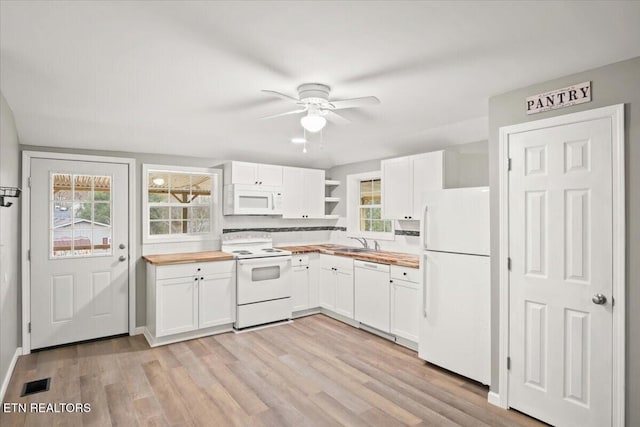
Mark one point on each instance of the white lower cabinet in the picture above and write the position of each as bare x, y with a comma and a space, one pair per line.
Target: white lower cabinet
304, 294
184, 298
215, 303
336, 284
405, 303
177, 306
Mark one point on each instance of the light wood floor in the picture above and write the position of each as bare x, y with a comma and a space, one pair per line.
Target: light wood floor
314, 371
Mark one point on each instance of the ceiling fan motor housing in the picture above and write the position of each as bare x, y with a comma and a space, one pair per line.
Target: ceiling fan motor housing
314, 93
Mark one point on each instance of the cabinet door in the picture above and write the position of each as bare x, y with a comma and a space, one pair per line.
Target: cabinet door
300, 291
327, 289
244, 173
314, 280
396, 188
177, 305
313, 193
427, 170
293, 192
372, 298
405, 309
217, 301
269, 175
344, 293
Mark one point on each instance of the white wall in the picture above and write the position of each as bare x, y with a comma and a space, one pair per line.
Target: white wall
10, 330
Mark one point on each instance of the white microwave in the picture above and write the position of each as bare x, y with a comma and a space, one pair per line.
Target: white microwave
240, 199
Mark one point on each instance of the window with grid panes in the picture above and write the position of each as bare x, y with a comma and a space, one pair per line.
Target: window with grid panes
370, 209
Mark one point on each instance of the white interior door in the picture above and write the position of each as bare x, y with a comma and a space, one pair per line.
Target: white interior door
79, 251
560, 245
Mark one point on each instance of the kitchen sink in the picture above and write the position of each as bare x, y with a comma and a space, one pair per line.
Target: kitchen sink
354, 250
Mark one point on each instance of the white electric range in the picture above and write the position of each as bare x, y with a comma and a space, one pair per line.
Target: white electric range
263, 285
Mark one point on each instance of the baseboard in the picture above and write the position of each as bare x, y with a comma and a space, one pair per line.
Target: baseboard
494, 399
139, 330
7, 377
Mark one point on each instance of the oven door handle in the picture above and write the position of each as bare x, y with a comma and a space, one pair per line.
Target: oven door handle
264, 261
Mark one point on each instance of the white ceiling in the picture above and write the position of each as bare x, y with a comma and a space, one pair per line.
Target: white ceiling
185, 77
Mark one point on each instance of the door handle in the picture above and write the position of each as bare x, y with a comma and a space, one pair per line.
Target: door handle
424, 285
122, 258
599, 299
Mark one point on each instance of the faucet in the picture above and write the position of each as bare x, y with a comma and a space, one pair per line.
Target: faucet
376, 245
362, 241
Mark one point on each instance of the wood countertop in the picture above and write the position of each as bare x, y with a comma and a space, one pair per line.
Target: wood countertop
187, 257
383, 257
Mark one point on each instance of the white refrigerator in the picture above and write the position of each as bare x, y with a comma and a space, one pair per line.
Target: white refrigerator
455, 327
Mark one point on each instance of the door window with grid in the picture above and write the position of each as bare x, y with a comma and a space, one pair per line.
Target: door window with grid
80, 215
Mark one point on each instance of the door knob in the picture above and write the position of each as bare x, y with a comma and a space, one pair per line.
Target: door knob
122, 258
122, 246
599, 299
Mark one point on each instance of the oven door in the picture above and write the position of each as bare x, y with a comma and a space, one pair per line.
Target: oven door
264, 279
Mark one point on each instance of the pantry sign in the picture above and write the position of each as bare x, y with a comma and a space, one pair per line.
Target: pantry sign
559, 98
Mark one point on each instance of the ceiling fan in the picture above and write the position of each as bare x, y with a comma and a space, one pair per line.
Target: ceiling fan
313, 99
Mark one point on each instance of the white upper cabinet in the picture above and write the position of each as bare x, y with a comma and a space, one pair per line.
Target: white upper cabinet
303, 193
404, 179
396, 188
427, 172
252, 174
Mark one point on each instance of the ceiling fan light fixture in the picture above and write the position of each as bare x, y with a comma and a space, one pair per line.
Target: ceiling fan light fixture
313, 122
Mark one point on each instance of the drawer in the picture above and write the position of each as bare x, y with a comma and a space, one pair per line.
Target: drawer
339, 262
297, 260
405, 273
194, 268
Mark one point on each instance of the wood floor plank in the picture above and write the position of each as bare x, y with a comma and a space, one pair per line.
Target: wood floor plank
315, 371
170, 400
244, 395
149, 412
121, 409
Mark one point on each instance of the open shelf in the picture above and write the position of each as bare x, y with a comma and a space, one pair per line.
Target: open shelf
331, 182
332, 199
331, 216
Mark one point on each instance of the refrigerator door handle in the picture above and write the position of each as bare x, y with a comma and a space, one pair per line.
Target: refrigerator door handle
423, 232
424, 285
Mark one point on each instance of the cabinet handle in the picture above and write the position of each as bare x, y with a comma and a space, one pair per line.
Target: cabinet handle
198, 269
404, 273
390, 281
307, 267
202, 278
195, 278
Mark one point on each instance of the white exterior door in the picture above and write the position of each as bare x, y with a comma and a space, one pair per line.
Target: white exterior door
560, 284
79, 251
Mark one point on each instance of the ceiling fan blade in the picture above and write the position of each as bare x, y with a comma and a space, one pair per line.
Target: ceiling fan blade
355, 102
336, 118
281, 95
302, 110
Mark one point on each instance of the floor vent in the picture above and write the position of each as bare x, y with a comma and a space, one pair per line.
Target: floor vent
36, 386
